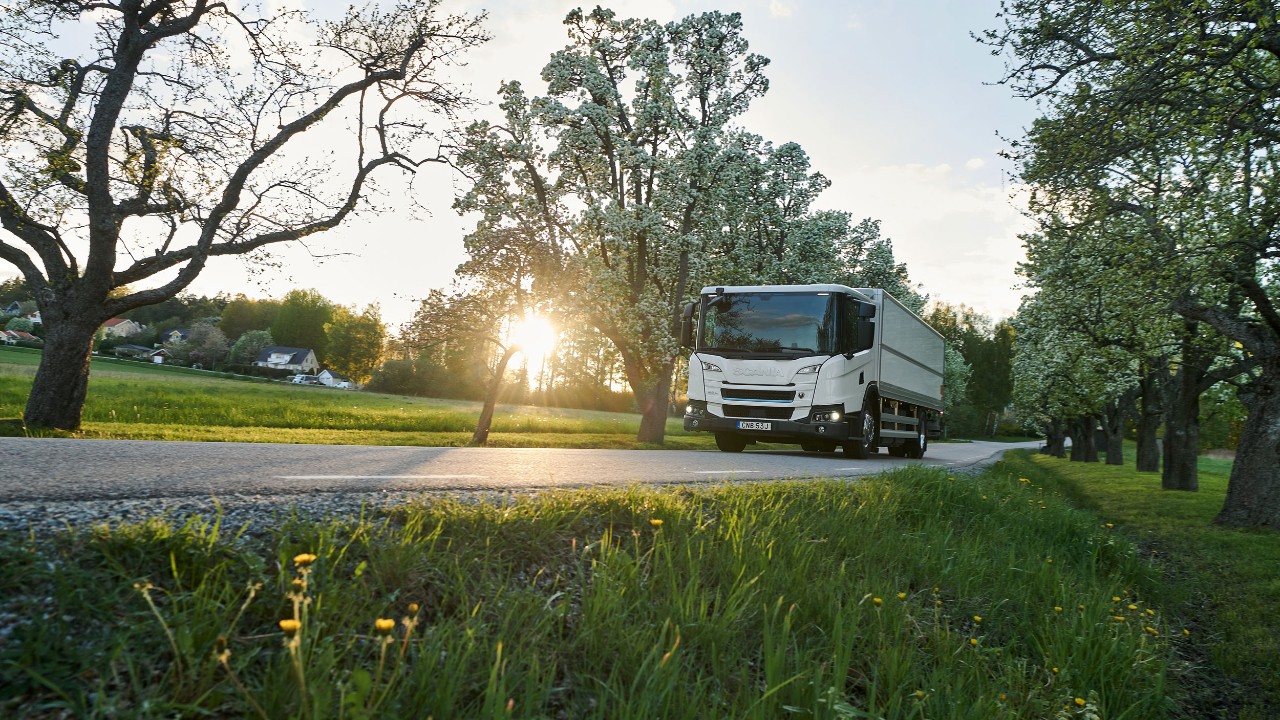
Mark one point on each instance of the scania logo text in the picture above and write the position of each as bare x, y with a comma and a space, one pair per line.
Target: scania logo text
758, 371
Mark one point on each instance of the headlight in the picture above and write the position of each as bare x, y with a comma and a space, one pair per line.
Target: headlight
827, 414
696, 409
809, 370
711, 366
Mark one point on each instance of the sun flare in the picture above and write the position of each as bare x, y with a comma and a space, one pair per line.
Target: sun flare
536, 337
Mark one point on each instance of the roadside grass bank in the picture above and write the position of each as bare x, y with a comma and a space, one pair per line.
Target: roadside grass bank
906, 595
1223, 581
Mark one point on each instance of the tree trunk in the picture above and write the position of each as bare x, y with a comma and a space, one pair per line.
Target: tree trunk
653, 407
1081, 431
62, 380
1253, 493
1182, 419
1114, 416
1150, 415
481, 435
1055, 440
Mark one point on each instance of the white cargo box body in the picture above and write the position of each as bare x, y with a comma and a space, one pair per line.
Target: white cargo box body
910, 354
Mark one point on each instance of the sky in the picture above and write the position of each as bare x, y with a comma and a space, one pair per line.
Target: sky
893, 101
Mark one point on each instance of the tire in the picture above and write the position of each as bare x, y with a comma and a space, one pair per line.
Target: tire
728, 442
862, 448
916, 450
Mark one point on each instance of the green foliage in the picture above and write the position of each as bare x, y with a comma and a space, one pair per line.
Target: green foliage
19, 323
300, 321
244, 314
906, 595
250, 344
355, 342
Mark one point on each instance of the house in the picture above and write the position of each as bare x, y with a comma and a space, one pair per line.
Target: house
174, 335
136, 352
287, 358
13, 337
159, 356
333, 379
121, 327
14, 308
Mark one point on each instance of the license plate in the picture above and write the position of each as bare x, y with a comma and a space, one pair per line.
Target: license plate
753, 425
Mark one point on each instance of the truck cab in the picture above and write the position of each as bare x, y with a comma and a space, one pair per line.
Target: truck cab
823, 366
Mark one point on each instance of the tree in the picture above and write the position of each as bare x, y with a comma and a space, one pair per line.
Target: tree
619, 184
14, 289
162, 148
20, 324
356, 342
1167, 113
206, 346
244, 314
301, 319
249, 345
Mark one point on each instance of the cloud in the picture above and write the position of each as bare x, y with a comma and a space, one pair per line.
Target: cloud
975, 163
779, 9
958, 239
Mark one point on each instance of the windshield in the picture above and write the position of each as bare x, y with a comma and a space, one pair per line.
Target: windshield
768, 322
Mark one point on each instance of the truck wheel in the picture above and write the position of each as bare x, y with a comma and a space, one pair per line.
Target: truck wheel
915, 451
728, 442
862, 448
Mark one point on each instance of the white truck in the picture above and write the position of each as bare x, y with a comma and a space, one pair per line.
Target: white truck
824, 366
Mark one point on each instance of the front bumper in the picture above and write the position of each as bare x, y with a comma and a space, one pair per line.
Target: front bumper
781, 430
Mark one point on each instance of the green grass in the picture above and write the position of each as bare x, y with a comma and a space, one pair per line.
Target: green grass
1222, 581
909, 595
138, 401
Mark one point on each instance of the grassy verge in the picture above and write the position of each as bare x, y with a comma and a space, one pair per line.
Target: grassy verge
1222, 581
914, 594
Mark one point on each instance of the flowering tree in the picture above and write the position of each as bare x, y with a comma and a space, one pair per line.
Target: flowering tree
171, 140
1168, 113
628, 186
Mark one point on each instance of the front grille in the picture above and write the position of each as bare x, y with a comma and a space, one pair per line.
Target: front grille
766, 413
767, 395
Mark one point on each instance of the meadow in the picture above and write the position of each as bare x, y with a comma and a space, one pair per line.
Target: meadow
140, 401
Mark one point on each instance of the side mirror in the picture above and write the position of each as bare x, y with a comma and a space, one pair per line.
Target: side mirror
866, 332
686, 326
866, 310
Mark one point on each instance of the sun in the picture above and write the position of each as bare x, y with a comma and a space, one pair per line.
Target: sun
536, 337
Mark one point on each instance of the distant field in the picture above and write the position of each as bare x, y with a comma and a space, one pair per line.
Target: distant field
141, 401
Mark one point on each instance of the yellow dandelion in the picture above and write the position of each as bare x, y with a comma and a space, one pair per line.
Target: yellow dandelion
973, 642
1079, 702
1050, 561
303, 559
384, 626
656, 522
877, 601
1055, 670
902, 596
1151, 630
1150, 611
1115, 599
1110, 525
1003, 697
937, 603
1057, 608
1118, 618
413, 608
290, 627
1080, 607
1186, 631
296, 584
977, 618
920, 694
1133, 607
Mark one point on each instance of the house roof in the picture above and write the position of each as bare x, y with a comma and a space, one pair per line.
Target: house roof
296, 355
135, 348
335, 376
115, 321
183, 333
20, 334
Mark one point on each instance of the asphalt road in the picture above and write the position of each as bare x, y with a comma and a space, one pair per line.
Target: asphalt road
52, 469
